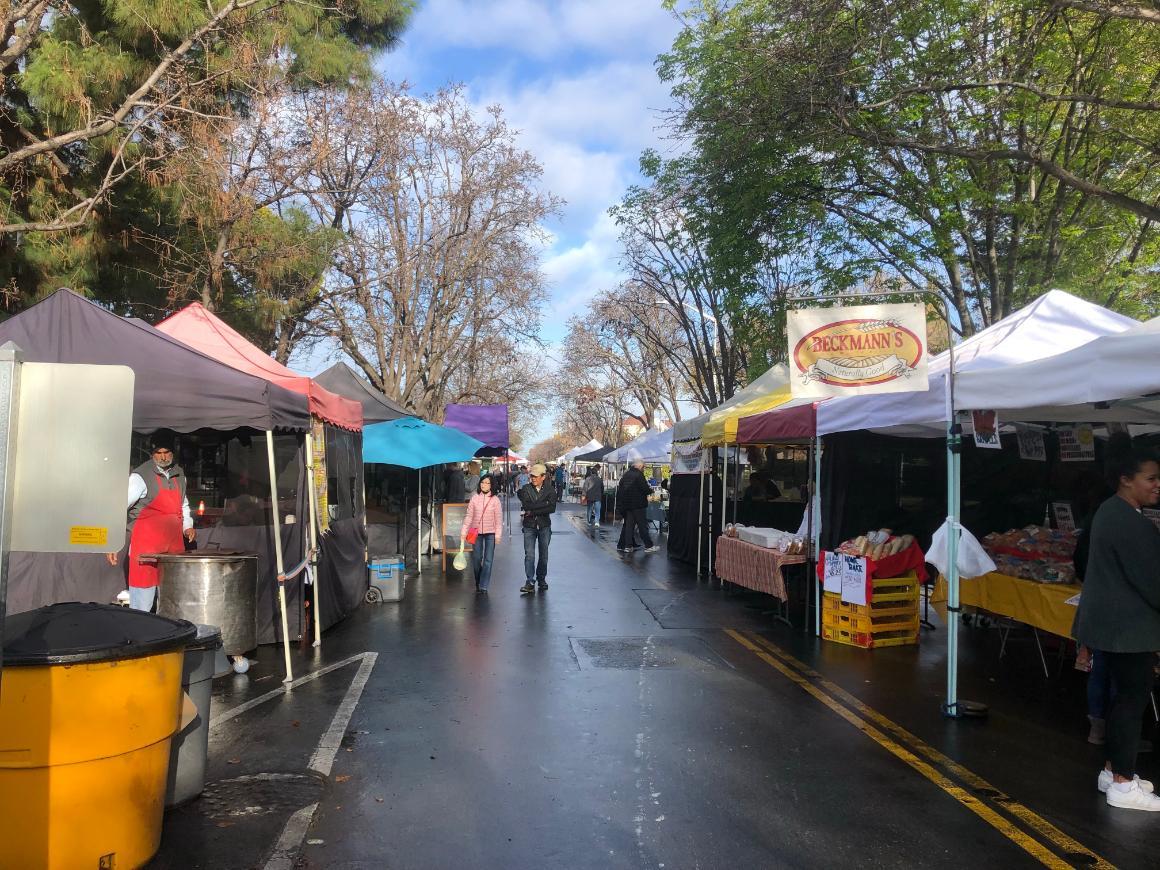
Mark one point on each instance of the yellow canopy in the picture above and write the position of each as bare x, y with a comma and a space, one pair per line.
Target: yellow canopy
766, 392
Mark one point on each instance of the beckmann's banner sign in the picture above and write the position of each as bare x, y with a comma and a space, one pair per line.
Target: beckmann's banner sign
857, 350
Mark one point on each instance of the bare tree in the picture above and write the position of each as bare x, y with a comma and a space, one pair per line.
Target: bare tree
436, 287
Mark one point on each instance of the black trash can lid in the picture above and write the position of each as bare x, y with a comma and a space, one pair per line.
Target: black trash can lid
62, 634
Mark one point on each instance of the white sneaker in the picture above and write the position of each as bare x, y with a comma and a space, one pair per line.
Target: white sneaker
653, 549
1104, 782
1133, 798
241, 665
598, 525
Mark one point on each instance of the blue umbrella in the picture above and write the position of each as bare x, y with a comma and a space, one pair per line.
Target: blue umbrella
415, 443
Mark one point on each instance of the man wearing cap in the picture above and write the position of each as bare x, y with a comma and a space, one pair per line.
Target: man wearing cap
538, 501
159, 519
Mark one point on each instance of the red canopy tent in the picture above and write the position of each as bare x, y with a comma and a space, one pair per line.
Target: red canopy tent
796, 420
200, 329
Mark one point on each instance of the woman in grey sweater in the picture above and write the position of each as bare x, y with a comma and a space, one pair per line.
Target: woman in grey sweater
1119, 613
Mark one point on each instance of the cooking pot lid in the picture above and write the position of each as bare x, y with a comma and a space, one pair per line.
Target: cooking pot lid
200, 556
88, 632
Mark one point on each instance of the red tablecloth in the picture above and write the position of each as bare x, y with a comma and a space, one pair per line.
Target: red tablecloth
754, 567
910, 559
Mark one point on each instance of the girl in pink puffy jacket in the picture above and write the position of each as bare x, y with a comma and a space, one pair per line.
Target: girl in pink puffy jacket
485, 515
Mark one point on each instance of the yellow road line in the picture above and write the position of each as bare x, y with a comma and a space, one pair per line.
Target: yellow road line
1037, 823
1005, 827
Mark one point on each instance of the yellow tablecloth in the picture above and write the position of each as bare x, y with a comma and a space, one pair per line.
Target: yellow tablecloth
1039, 604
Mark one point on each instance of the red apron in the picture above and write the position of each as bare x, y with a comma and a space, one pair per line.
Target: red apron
157, 530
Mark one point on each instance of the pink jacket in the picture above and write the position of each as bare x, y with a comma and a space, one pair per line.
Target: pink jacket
483, 512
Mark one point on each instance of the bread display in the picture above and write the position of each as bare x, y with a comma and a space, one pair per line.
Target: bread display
877, 544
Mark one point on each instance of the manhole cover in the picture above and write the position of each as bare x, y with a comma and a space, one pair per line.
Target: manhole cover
632, 653
259, 794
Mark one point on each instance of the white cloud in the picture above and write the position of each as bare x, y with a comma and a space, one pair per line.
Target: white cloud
547, 28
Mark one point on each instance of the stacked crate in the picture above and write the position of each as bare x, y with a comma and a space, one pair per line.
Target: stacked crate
890, 619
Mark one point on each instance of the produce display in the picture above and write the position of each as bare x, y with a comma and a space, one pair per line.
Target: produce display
1033, 553
876, 544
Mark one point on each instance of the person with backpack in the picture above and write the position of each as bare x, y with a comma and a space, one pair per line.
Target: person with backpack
632, 495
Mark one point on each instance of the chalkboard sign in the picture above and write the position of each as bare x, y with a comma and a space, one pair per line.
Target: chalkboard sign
453, 515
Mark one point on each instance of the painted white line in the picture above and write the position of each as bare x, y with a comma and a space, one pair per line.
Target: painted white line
289, 845
323, 759
233, 712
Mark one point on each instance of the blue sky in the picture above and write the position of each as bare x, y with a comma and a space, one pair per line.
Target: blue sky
577, 80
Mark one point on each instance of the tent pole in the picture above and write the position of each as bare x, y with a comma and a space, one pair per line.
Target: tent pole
712, 473
701, 515
419, 526
816, 533
313, 541
725, 491
736, 479
278, 556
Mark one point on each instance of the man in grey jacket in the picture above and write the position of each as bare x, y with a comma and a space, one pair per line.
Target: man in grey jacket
593, 495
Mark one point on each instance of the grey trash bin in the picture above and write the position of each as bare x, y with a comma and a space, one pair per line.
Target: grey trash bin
204, 660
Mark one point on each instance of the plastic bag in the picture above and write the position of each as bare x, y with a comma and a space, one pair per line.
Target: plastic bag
459, 563
972, 558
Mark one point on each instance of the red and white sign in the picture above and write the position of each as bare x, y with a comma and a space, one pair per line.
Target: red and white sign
857, 350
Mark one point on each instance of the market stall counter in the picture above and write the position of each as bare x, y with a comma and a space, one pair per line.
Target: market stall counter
753, 566
1046, 606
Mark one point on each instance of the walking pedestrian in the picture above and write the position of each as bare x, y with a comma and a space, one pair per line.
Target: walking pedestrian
454, 490
485, 517
593, 494
632, 494
1119, 613
538, 502
523, 478
471, 483
561, 482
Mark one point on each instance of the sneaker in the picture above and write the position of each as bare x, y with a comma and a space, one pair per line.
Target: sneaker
1133, 798
1104, 782
653, 549
597, 525
527, 589
543, 586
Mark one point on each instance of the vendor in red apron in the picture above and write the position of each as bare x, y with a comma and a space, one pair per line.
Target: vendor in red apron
159, 519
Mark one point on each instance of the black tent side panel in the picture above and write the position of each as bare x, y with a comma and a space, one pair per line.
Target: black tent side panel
684, 495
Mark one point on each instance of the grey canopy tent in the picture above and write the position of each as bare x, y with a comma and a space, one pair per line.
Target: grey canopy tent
377, 408
175, 388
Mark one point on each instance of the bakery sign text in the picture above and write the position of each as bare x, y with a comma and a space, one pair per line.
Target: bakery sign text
857, 349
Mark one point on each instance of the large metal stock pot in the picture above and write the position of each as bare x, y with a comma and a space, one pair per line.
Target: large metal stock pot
212, 588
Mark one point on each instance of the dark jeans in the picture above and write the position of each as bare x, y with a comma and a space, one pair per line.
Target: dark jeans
1132, 678
1099, 687
481, 555
633, 520
536, 571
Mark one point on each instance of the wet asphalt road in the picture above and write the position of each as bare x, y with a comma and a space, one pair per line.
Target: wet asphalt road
614, 722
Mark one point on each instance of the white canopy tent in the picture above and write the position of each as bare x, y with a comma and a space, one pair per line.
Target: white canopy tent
1113, 378
1054, 323
577, 451
653, 447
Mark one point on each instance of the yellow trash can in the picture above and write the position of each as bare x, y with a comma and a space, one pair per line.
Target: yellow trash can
90, 700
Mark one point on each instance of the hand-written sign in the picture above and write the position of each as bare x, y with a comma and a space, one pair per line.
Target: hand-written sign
1031, 445
845, 575
1077, 444
857, 349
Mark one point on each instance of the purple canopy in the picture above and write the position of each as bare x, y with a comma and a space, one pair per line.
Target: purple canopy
486, 423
